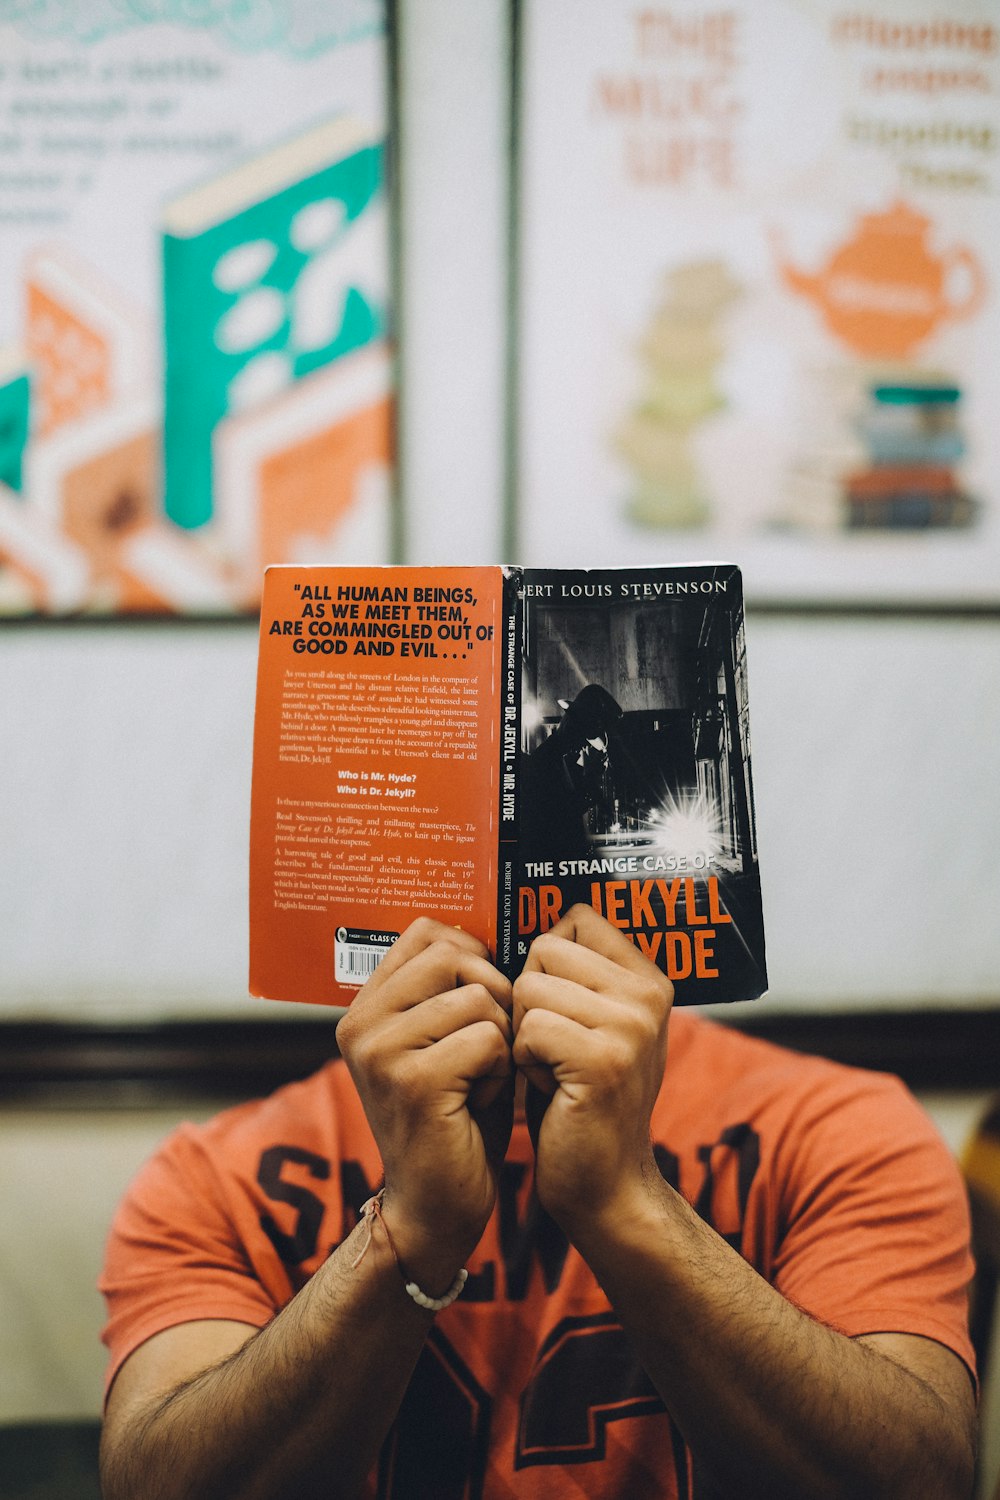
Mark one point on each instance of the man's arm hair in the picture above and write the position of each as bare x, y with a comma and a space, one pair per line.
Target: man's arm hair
772, 1403
294, 1410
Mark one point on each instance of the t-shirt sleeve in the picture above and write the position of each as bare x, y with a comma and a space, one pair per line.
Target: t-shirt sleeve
173, 1255
873, 1232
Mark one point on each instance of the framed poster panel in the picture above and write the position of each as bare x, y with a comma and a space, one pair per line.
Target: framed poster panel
194, 377
758, 309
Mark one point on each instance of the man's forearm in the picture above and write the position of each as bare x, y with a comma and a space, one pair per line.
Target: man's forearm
299, 1410
770, 1402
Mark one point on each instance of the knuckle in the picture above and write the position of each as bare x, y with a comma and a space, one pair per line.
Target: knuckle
442, 950
425, 930
348, 1039
652, 993
363, 1049
648, 1022
362, 1059
500, 1033
521, 1048
497, 1048
527, 1029
479, 999
544, 944
527, 986
658, 988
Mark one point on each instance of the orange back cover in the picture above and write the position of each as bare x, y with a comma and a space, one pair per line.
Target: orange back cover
375, 764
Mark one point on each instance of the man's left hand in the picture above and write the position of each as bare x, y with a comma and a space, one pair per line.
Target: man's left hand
590, 1034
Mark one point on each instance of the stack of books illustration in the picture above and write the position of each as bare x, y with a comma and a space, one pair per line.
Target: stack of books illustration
885, 290
913, 435
86, 430
680, 355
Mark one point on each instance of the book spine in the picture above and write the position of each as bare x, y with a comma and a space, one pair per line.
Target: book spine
508, 818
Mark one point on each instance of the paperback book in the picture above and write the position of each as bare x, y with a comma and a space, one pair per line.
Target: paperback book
490, 746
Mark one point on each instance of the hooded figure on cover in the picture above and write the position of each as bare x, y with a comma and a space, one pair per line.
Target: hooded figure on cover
567, 777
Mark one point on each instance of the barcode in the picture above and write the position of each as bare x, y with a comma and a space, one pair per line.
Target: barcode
355, 961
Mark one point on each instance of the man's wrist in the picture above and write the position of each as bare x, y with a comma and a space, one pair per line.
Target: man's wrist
428, 1255
634, 1209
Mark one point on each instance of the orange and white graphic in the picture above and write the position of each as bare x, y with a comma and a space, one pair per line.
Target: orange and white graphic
133, 141
887, 288
41, 571
160, 570
96, 482
96, 479
84, 341
306, 478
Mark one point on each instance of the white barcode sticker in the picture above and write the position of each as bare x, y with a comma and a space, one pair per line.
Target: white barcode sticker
357, 953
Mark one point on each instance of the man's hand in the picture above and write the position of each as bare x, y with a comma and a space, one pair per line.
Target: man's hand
590, 1032
427, 1042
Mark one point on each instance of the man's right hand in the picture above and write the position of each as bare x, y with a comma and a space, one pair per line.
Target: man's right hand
428, 1044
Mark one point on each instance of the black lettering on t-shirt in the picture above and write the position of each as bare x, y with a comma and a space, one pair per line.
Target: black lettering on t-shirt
587, 1374
355, 1190
437, 1447
298, 1245
668, 1164
521, 1239
731, 1163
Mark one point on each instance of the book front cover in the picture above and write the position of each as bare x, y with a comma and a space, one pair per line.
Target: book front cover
634, 781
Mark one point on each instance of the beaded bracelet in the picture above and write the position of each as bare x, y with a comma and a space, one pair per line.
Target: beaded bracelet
435, 1304
371, 1211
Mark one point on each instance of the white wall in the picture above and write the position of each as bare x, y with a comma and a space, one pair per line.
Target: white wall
453, 159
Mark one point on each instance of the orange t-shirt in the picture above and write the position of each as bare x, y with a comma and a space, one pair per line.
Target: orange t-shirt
830, 1181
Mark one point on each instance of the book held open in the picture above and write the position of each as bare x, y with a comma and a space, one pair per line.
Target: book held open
490, 746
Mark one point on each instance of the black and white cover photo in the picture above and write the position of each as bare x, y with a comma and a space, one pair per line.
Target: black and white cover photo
634, 777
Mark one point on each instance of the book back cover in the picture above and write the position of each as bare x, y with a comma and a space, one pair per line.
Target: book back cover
375, 770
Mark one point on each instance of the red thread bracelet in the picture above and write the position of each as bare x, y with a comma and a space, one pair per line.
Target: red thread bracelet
371, 1211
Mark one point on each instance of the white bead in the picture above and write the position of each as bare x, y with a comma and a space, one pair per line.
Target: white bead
436, 1304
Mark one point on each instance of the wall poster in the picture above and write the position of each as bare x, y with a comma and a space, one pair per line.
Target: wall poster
194, 374
759, 313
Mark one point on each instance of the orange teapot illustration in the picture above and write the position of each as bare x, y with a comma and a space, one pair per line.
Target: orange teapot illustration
885, 291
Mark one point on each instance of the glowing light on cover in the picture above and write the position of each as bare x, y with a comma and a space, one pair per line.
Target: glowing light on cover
689, 825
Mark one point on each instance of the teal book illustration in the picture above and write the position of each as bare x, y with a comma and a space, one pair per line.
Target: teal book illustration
270, 272
15, 411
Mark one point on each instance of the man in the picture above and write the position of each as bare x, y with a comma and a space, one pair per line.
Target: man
609, 1340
